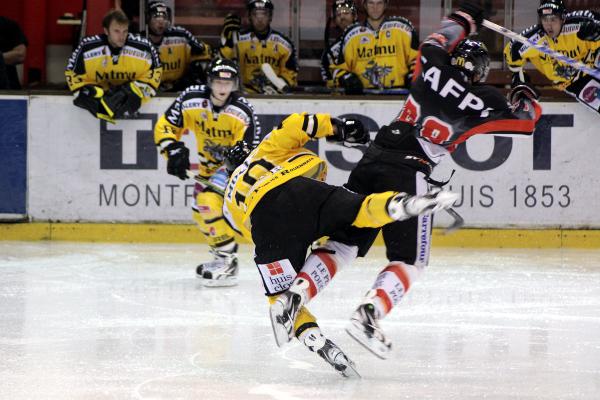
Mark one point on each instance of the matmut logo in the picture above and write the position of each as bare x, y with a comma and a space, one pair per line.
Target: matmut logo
275, 268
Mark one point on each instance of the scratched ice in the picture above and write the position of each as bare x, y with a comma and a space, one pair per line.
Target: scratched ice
99, 321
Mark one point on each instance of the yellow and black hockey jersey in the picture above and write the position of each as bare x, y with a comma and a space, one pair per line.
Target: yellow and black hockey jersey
252, 51
94, 62
567, 43
330, 57
215, 128
277, 159
177, 49
381, 58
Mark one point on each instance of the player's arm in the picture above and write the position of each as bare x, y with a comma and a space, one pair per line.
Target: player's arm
289, 67
517, 54
149, 82
76, 73
341, 70
167, 135
465, 21
252, 132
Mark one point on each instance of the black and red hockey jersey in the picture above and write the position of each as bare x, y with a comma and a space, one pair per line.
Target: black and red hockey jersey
444, 108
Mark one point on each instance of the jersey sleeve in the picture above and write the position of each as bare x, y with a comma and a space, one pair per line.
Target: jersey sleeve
253, 132
150, 79
288, 70
517, 54
170, 124
296, 130
198, 49
76, 73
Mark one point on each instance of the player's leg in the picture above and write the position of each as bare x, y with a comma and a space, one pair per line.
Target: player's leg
407, 247
208, 215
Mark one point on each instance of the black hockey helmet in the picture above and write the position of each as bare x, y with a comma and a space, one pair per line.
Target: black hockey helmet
260, 5
222, 68
473, 58
158, 9
552, 7
343, 4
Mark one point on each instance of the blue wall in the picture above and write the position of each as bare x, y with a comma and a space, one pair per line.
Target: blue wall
13, 156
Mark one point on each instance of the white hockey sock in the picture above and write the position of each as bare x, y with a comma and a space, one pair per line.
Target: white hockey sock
312, 338
392, 283
318, 270
322, 264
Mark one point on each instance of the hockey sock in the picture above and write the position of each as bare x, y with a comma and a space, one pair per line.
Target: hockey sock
321, 266
392, 283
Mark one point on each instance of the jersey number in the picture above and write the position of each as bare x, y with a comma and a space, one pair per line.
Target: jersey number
261, 167
435, 130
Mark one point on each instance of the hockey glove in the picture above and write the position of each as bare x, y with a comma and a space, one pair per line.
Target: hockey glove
470, 15
178, 161
90, 98
128, 99
589, 31
350, 131
231, 27
351, 83
236, 155
521, 88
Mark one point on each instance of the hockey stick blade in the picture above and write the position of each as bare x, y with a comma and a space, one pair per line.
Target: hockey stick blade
456, 224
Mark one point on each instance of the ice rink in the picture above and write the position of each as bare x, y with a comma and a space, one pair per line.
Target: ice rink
100, 321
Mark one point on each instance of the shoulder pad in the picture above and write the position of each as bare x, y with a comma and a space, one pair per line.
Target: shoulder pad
201, 91
580, 15
139, 41
281, 36
92, 39
239, 100
532, 31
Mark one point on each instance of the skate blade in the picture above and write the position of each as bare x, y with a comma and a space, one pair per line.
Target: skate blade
279, 330
228, 282
350, 371
373, 345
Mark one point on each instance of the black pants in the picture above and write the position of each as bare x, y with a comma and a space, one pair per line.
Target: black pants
289, 218
379, 171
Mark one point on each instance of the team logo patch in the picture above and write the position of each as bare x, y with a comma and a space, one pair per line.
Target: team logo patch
364, 40
205, 104
275, 268
203, 209
388, 34
590, 94
277, 276
212, 231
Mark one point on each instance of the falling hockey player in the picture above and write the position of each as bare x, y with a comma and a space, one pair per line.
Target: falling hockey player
446, 106
278, 199
219, 117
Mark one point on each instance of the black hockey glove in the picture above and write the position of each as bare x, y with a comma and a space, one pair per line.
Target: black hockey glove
231, 26
236, 155
349, 131
351, 83
474, 9
589, 31
520, 90
178, 161
88, 98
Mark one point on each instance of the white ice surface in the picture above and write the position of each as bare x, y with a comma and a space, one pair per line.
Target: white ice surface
98, 321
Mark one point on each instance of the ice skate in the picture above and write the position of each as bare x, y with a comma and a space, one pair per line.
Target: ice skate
364, 328
220, 272
284, 310
331, 353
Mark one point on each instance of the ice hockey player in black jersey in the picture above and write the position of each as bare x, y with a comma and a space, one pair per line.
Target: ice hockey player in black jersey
575, 34
447, 105
182, 56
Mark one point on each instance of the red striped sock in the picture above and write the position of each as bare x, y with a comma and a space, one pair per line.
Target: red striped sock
392, 283
318, 270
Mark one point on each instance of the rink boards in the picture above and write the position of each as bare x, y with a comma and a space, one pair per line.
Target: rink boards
83, 169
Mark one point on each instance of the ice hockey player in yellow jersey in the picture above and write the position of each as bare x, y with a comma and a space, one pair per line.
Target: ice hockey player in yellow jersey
183, 57
343, 14
576, 35
112, 74
218, 117
277, 198
379, 54
260, 47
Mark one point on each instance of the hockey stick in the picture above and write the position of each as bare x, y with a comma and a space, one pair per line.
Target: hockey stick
206, 182
543, 49
456, 224
83, 26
